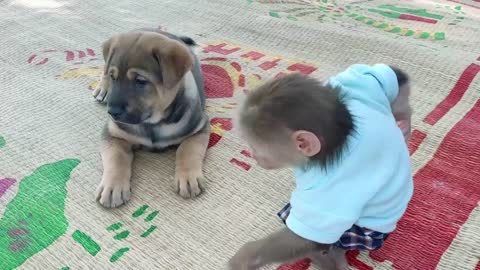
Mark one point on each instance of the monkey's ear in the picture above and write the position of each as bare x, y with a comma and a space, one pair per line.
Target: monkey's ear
307, 142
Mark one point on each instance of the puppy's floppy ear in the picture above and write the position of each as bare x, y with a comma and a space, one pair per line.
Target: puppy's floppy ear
175, 60
106, 48
107, 51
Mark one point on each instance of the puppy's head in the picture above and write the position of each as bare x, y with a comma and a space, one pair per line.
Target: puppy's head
145, 70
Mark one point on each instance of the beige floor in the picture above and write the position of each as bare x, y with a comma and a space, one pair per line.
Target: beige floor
50, 56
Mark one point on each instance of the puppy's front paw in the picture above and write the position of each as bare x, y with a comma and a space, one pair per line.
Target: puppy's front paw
113, 192
101, 91
189, 183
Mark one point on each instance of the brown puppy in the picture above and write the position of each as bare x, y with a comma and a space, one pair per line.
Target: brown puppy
154, 90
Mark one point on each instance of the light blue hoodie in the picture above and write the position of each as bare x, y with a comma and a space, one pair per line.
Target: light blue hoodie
372, 184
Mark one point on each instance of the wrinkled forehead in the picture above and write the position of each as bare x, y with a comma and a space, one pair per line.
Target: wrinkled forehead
132, 64
135, 55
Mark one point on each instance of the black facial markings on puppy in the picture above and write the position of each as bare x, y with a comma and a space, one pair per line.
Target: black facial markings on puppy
155, 114
181, 107
189, 41
175, 113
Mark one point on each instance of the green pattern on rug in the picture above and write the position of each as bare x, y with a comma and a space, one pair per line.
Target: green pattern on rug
35, 218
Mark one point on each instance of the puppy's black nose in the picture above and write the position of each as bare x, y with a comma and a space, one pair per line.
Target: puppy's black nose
116, 111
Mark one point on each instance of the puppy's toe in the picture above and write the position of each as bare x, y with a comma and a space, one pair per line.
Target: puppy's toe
195, 186
105, 197
189, 183
101, 91
113, 195
126, 195
116, 198
101, 95
96, 91
183, 188
98, 192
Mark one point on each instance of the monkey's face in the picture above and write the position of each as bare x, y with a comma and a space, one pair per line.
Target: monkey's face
287, 149
266, 157
275, 155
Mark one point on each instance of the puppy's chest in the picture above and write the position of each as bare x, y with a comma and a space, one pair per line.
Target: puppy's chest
157, 137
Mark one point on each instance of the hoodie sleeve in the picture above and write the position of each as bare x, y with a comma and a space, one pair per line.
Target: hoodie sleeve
376, 86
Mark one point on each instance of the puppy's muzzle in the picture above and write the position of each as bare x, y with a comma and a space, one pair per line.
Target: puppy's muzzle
117, 111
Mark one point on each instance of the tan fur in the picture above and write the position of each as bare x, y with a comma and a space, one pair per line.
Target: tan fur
189, 164
113, 71
166, 97
101, 90
174, 58
175, 61
117, 157
131, 73
116, 132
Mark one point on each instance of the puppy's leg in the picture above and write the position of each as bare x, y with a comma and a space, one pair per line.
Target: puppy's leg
117, 157
189, 164
103, 88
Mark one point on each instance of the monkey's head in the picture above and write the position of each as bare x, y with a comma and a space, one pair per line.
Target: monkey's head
294, 120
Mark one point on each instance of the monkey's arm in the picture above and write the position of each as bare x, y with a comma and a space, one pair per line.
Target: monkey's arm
281, 246
401, 105
371, 84
402, 111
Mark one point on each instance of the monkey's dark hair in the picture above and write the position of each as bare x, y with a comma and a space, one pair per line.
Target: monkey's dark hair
402, 77
297, 102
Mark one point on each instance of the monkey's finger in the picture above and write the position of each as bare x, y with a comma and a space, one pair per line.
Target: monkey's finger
404, 126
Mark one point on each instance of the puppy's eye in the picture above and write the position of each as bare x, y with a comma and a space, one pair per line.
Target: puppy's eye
112, 77
140, 80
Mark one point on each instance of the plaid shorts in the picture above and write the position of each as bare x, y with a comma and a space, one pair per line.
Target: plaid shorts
355, 238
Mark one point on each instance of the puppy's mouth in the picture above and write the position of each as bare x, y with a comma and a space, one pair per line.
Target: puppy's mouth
146, 116
132, 119
153, 117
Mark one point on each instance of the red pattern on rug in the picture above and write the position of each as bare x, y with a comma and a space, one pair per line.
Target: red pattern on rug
446, 191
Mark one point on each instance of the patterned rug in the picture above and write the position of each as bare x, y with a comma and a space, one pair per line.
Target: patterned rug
50, 59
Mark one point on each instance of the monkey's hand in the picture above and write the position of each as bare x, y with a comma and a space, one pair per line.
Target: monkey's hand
278, 247
401, 105
403, 114
406, 127
246, 258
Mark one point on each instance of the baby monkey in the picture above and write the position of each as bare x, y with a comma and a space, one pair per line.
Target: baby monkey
345, 139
